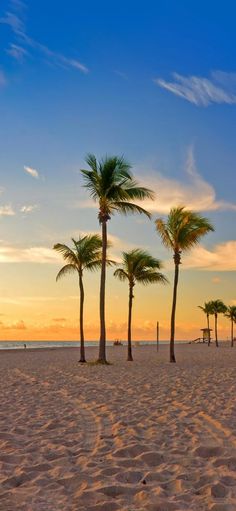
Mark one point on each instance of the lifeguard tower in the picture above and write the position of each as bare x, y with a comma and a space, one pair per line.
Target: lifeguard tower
205, 338
206, 335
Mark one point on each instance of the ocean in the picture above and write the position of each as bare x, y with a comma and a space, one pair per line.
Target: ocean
13, 345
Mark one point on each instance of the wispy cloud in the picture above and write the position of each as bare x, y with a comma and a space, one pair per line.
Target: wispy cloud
9, 254
7, 210
29, 208
201, 91
17, 52
17, 325
33, 172
194, 193
222, 257
23, 43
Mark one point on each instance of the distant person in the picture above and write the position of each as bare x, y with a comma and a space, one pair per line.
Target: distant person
25, 346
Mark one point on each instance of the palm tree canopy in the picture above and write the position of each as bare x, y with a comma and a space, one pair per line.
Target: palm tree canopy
217, 307
206, 308
86, 254
183, 229
111, 183
139, 266
231, 313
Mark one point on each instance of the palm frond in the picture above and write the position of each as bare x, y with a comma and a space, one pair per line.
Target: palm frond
92, 162
111, 182
138, 265
67, 253
151, 277
206, 308
217, 307
164, 233
183, 229
231, 313
121, 274
66, 270
129, 207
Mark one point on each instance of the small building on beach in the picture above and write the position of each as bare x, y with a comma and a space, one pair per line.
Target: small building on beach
206, 334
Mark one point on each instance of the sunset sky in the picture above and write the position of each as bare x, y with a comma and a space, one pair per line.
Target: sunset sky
155, 81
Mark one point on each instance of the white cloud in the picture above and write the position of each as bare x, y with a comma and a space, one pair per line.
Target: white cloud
29, 208
6, 210
221, 258
32, 172
220, 88
195, 193
14, 19
42, 255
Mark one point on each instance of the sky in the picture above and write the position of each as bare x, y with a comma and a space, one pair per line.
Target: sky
154, 81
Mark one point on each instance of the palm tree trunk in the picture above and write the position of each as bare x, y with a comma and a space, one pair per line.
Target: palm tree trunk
216, 333
209, 333
172, 333
82, 349
232, 333
102, 343
130, 357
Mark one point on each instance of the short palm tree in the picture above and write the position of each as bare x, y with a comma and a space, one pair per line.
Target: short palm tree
207, 309
217, 307
180, 232
112, 185
231, 314
86, 254
138, 266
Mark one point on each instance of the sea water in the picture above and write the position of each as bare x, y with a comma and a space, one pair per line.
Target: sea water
13, 345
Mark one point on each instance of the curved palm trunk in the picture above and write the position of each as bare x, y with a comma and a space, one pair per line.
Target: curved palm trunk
209, 333
232, 333
102, 342
130, 357
81, 319
172, 333
216, 332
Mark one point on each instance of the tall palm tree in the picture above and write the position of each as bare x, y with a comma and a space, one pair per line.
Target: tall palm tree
86, 254
217, 307
207, 309
111, 184
138, 266
231, 314
180, 232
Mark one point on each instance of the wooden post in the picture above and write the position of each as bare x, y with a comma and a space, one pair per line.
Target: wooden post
157, 335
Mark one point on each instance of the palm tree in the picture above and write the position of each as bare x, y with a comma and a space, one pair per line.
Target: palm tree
217, 307
138, 266
86, 254
231, 314
207, 309
180, 232
112, 185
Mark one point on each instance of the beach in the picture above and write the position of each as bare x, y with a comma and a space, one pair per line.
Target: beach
131, 436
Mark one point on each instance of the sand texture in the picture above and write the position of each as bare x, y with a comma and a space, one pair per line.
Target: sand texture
138, 436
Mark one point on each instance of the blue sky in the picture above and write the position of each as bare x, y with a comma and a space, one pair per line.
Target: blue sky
155, 81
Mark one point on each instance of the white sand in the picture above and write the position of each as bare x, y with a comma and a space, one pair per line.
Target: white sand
146, 435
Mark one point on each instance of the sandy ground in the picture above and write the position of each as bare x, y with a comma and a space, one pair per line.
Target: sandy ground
146, 435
